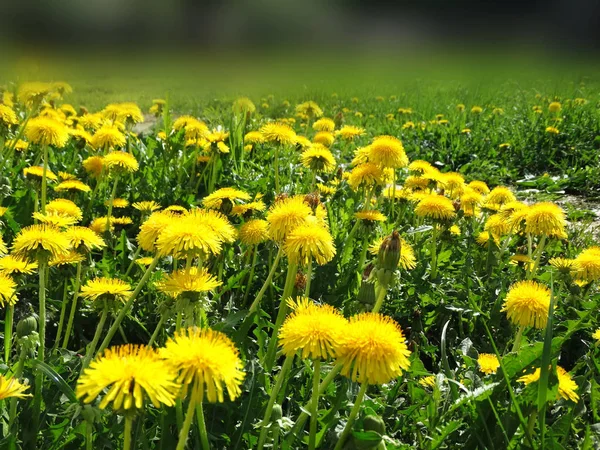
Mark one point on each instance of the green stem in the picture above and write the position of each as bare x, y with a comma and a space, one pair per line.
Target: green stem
63, 313
380, 298
538, 256
37, 401
312, 437
308, 278
517, 343
287, 291
90, 350
12, 414
73, 306
267, 282
434, 252
127, 432
189, 416
125, 310
89, 439
287, 364
352, 417
44, 178
276, 169
110, 208
161, 322
251, 277
135, 256
8, 326
202, 426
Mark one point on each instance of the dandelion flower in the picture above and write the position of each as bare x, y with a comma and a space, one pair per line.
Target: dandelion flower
7, 116
248, 209
69, 258
563, 265
587, 264
254, 232
547, 219
307, 242
82, 238
350, 132
596, 335
7, 290
373, 349
310, 109
566, 386
419, 167
278, 133
40, 238
46, 131
191, 281
13, 264
118, 203
64, 207
318, 158
152, 227
121, 161
11, 387
428, 381
228, 195
370, 216
93, 165
286, 215
208, 360
527, 304
498, 197
435, 207
552, 130
243, 105
324, 124
387, 151
314, 329
106, 289
72, 185
56, 219
147, 206
131, 374
488, 363
37, 172
363, 175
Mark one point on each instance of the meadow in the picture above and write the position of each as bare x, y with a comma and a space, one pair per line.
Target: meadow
343, 264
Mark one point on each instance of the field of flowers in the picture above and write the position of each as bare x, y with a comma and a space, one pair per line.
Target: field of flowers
310, 271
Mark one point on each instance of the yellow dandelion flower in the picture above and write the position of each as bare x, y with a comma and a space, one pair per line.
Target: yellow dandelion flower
208, 360
278, 133
419, 167
476, 110
248, 208
243, 105
527, 304
370, 216
72, 185
563, 265
435, 207
7, 116
56, 219
587, 264
46, 131
108, 136
37, 172
226, 195
387, 151
325, 138
547, 219
498, 197
131, 374
7, 290
12, 388
552, 130
120, 161
566, 386
147, 206
324, 124
40, 238
315, 330
408, 260
318, 158
152, 227
254, 232
488, 363
429, 381
350, 132
118, 203
497, 226
145, 261
596, 335
364, 175
185, 282
84, 239
13, 264
307, 242
123, 112
286, 215
93, 165
106, 289
373, 349
71, 257
452, 182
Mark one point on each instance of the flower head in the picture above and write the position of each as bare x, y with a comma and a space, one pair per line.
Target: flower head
408, 260
285, 215
184, 281
387, 151
587, 264
40, 238
106, 289
307, 242
498, 197
7, 290
7, 115
314, 329
93, 165
254, 232
370, 216
435, 207
11, 387
64, 207
13, 264
527, 304
566, 386
46, 131
324, 124
226, 195
488, 363
71, 257
350, 132
366, 174
82, 238
121, 161
208, 360
37, 172
131, 373
72, 185
547, 219
278, 133
147, 206
318, 158
373, 349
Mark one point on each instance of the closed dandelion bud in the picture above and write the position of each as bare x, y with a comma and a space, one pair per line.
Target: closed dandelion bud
456, 205
389, 252
366, 293
312, 200
277, 413
83, 111
374, 423
300, 283
26, 326
339, 119
339, 173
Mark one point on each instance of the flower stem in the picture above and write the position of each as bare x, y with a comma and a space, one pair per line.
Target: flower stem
37, 401
135, 256
189, 416
89, 439
125, 309
267, 417
380, 298
517, 343
127, 432
434, 252
8, 326
276, 169
161, 322
312, 437
63, 313
90, 350
73, 306
267, 282
252, 267
202, 426
308, 278
44, 178
352, 417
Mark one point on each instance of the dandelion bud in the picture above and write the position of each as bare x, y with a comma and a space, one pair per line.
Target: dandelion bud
366, 293
26, 326
389, 252
312, 200
83, 111
456, 205
338, 119
374, 423
226, 206
277, 413
300, 283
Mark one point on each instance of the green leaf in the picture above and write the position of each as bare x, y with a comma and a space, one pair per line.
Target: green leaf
56, 379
